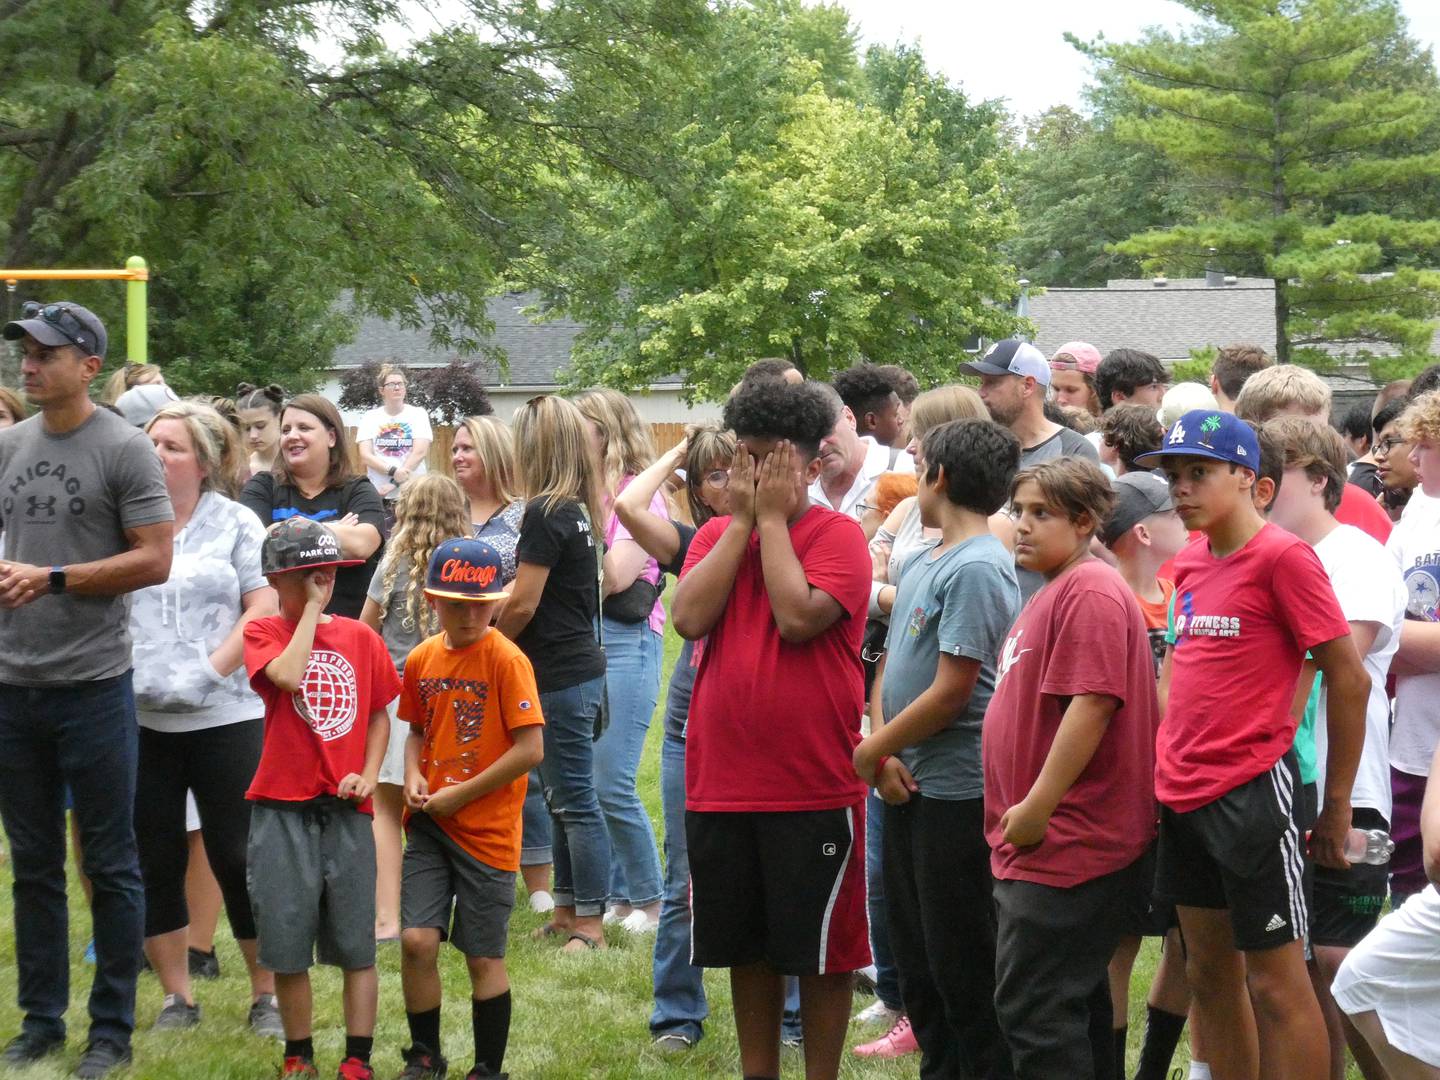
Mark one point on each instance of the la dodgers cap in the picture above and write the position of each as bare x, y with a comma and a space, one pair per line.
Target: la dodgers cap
1012, 357
1137, 496
465, 569
1208, 433
297, 543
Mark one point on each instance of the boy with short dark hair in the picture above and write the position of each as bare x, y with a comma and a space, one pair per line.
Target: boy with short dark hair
1068, 753
325, 681
954, 603
475, 733
775, 813
1250, 599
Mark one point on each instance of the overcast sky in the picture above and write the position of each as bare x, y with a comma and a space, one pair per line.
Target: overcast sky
1020, 53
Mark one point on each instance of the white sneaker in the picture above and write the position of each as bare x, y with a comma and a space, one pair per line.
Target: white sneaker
877, 1013
637, 922
542, 902
613, 917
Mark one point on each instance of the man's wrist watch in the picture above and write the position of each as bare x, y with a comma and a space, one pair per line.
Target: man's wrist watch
57, 579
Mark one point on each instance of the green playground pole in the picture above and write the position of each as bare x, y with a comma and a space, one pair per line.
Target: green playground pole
137, 340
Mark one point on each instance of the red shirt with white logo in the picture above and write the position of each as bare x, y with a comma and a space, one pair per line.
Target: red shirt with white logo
1242, 627
1080, 634
315, 737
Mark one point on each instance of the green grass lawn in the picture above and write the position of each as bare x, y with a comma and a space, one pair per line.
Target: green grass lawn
575, 1016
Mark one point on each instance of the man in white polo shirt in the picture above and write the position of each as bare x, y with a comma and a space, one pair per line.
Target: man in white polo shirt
849, 464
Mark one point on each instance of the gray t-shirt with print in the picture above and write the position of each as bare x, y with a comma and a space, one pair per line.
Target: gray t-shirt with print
960, 602
67, 499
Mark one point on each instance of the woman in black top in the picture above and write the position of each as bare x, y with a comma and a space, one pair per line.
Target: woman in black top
313, 478
551, 615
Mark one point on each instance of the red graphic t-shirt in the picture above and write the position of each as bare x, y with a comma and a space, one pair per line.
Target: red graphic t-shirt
1242, 627
773, 723
1080, 634
315, 737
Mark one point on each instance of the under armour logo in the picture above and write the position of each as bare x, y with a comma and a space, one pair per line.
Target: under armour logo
37, 504
1275, 923
828, 849
1177, 433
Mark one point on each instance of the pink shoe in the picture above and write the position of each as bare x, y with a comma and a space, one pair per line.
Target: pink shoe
895, 1043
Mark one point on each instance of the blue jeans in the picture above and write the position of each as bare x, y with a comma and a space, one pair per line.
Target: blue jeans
83, 737
581, 845
887, 976
680, 1007
535, 847
632, 679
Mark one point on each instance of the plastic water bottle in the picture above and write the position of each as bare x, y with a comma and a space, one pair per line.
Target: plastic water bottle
1369, 846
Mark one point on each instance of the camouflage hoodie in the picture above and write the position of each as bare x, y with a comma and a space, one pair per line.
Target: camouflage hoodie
178, 625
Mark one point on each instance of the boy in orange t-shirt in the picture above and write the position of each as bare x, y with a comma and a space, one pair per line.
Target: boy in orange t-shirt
475, 734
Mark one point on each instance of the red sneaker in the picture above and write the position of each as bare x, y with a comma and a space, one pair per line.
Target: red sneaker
352, 1068
298, 1066
895, 1043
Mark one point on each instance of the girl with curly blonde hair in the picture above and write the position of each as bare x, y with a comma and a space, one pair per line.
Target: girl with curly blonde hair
431, 509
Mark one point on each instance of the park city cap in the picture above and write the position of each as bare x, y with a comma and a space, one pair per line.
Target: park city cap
297, 543
464, 569
1137, 496
1208, 433
1012, 357
61, 323
1078, 356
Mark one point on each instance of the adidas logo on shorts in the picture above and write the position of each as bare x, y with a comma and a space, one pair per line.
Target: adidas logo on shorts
1275, 923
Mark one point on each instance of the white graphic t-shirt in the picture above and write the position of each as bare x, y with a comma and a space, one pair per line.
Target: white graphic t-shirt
1415, 544
392, 437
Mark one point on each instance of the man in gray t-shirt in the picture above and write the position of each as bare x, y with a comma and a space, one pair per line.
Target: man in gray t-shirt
87, 520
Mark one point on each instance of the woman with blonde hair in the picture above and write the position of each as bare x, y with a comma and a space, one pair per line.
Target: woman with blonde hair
393, 437
201, 725
12, 408
313, 478
430, 511
551, 615
633, 620
128, 376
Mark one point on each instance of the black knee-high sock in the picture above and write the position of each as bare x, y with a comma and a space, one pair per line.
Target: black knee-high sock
359, 1046
1121, 1035
425, 1030
491, 1021
1162, 1034
304, 1048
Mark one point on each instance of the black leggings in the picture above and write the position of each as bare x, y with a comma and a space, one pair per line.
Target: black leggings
217, 764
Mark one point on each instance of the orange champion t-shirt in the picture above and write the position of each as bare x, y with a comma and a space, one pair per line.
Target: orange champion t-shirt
466, 702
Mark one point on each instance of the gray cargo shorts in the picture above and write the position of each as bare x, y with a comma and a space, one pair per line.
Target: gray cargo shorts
438, 875
310, 868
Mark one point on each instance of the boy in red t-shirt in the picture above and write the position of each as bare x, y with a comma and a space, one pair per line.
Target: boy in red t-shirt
325, 681
475, 734
1249, 602
1068, 752
775, 812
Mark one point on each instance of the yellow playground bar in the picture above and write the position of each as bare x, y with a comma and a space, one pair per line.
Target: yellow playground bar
135, 274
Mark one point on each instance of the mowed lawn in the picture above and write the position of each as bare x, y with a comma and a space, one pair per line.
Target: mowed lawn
575, 1016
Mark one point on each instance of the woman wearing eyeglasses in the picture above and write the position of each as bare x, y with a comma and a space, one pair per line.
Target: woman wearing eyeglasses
393, 438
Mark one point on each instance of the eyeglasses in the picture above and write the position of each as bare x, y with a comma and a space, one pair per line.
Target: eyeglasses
717, 478
865, 508
394, 384
56, 315
1384, 446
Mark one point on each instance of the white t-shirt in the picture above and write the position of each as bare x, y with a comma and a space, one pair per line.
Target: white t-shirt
877, 461
1369, 589
393, 437
1415, 544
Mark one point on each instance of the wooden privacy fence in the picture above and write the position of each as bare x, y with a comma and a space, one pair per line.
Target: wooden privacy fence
438, 459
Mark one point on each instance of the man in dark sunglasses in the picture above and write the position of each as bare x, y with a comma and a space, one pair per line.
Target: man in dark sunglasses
86, 520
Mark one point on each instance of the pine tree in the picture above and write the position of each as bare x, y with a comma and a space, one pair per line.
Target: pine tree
1313, 124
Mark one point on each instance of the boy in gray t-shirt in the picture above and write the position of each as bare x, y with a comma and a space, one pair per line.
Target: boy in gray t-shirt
953, 606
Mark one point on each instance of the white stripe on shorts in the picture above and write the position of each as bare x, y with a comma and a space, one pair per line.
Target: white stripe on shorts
835, 892
1292, 857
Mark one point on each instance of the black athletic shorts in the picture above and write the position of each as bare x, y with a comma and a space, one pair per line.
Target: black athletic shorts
1246, 852
785, 888
1145, 914
1348, 902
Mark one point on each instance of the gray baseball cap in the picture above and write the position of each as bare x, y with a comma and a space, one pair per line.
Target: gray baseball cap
1137, 496
61, 323
1012, 357
139, 404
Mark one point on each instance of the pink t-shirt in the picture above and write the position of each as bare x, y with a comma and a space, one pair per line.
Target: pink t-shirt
1080, 634
1242, 627
651, 570
773, 723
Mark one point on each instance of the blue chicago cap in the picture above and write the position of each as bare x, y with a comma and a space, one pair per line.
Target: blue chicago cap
465, 569
1209, 433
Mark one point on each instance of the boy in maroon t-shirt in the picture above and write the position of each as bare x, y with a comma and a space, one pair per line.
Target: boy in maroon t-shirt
325, 681
1250, 600
1068, 752
774, 811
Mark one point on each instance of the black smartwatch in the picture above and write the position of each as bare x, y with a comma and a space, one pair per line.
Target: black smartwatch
392, 471
57, 579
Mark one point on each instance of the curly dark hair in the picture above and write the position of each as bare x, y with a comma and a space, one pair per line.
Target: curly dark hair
979, 458
1131, 430
864, 388
905, 384
769, 409
1125, 370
